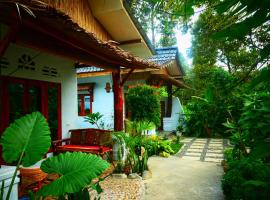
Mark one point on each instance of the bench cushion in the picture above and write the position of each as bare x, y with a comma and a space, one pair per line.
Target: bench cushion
84, 148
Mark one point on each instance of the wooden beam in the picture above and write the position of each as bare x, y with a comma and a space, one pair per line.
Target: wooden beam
91, 74
8, 38
125, 78
73, 42
118, 101
136, 41
36, 40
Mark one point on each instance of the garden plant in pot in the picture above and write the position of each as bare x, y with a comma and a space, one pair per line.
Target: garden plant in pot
27, 140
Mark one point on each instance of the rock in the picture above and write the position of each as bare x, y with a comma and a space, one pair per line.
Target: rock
119, 176
146, 175
134, 176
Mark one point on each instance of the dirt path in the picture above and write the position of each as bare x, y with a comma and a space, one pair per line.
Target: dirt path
192, 174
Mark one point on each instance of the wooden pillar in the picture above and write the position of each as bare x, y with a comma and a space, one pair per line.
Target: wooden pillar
169, 102
118, 100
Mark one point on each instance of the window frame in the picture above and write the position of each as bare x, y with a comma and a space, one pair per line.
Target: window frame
88, 87
27, 83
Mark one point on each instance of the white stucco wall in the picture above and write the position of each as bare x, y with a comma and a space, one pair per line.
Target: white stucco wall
103, 101
171, 123
66, 76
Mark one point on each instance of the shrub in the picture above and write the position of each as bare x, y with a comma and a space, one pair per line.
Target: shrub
144, 104
247, 179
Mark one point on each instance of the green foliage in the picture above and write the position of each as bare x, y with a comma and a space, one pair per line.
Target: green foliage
249, 169
151, 15
247, 179
25, 141
213, 104
76, 170
95, 119
28, 136
144, 104
135, 128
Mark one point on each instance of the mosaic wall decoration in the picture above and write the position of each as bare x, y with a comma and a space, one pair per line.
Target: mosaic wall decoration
26, 62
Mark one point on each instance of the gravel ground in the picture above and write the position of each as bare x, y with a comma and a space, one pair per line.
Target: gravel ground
121, 189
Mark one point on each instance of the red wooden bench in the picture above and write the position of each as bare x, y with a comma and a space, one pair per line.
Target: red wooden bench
89, 140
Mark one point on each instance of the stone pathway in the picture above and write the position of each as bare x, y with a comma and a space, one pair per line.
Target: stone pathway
209, 150
192, 174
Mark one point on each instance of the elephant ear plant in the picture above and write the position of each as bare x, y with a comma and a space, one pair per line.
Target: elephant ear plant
25, 141
76, 171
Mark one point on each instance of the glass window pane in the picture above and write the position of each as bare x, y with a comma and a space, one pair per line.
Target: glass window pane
53, 112
16, 93
87, 105
34, 99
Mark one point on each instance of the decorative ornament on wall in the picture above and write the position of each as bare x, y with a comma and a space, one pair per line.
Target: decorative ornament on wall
26, 62
4, 63
108, 87
50, 71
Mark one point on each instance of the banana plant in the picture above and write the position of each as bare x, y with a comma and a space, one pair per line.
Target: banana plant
25, 141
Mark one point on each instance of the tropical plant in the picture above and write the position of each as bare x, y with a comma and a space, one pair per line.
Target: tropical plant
135, 128
144, 103
95, 119
76, 171
25, 141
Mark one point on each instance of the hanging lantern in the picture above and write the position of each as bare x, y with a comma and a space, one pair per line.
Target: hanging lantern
108, 87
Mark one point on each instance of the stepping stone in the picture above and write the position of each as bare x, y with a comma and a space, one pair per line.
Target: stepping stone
213, 160
197, 146
215, 147
194, 143
214, 155
201, 140
215, 151
191, 158
195, 150
216, 142
193, 154
201, 149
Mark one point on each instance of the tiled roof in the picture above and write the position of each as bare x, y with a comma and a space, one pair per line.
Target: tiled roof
164, 55
58, 20
89, 69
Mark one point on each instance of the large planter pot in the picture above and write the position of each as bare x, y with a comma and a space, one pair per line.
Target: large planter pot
6, 173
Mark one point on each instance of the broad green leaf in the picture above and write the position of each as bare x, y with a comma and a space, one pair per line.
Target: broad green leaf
76, 171
30, 135
239, 30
